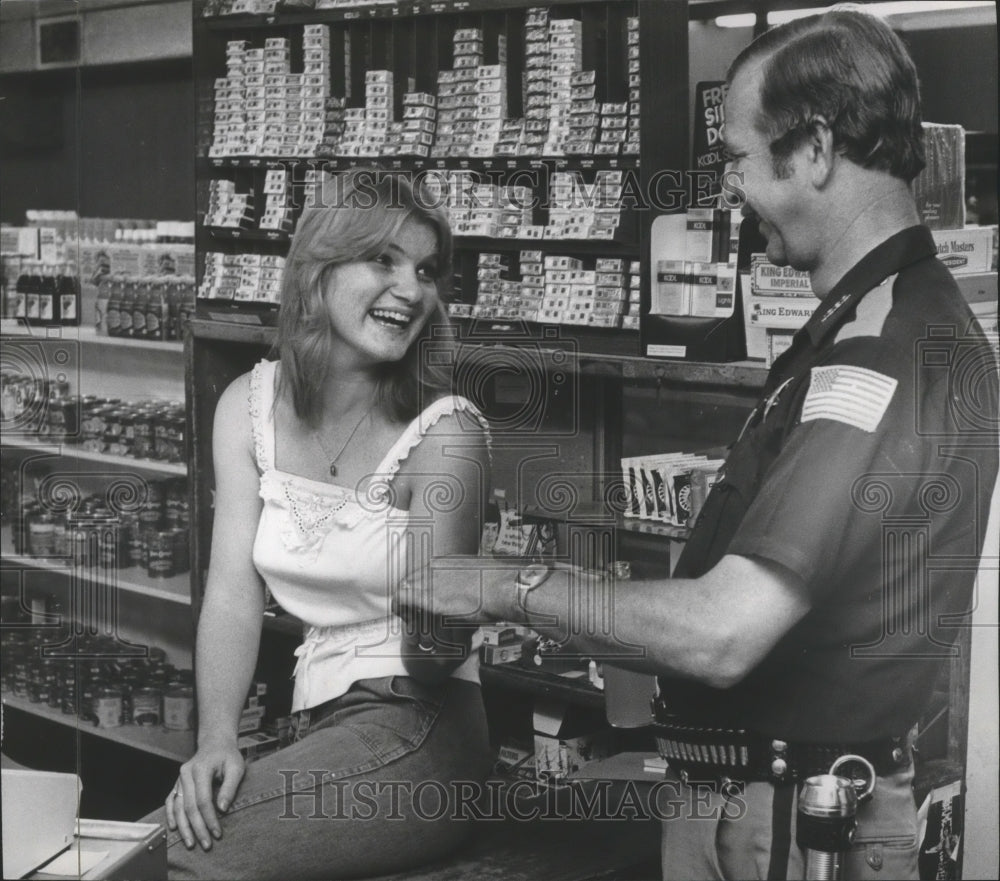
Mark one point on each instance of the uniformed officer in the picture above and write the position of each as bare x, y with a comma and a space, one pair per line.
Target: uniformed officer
806, 616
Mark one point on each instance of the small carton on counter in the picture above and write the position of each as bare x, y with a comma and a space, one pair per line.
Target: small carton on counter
564, 741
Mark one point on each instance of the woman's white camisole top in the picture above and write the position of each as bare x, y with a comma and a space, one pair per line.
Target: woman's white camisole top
330, 556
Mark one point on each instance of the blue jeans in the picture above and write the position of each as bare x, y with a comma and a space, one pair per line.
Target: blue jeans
367, 788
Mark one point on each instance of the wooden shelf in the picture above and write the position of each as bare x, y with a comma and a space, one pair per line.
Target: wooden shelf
250, 235
86, 335
736, 374
595, 514
178, 746
133, 580
69, 451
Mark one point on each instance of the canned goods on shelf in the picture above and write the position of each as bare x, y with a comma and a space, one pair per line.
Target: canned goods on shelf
107, 705
178, 708
86, 705
182, 549
64, 419
143, 429
61, 546
621, 570
146, 706
161, 555
41, 534
67, 702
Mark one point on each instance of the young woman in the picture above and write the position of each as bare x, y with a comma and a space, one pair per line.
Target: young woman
337, 468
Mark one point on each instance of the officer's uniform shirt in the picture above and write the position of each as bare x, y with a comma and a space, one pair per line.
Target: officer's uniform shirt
866, 470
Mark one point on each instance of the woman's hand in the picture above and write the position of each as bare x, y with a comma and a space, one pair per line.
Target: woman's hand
190, 806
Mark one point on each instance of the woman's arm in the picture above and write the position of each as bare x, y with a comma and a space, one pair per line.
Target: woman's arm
448, 475
228, 627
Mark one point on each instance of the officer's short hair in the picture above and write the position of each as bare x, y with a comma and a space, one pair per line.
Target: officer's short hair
850, 68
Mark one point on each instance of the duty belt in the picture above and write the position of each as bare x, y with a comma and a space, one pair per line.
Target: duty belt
725, 754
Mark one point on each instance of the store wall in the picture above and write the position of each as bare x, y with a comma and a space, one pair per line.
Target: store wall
957, 68
107, 142
958, 75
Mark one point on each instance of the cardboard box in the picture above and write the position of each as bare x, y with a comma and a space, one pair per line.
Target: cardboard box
971, 249
978, 287
501, 654
778, 281
788, 313
564, 741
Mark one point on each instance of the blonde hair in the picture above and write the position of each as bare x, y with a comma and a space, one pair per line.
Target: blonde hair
355, 216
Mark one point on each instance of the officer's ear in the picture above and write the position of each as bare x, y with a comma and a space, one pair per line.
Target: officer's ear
819, 151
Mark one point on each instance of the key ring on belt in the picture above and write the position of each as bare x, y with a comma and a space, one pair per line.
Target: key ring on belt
863, 788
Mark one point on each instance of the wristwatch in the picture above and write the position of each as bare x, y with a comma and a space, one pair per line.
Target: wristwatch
528, 579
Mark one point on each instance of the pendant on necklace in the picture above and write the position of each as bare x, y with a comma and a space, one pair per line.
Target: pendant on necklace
333, 470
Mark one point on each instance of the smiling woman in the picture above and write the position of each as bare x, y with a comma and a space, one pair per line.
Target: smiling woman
358, 220
325, 491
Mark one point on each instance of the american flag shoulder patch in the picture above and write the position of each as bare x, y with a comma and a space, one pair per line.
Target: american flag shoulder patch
853, 395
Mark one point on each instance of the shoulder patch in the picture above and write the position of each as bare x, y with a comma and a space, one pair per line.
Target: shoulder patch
871, 313
852, 395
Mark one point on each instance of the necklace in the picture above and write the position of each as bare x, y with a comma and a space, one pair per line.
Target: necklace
350, 437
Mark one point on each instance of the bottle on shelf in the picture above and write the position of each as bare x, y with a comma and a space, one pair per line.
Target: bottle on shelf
127, 305
68, 285
140, 306
48, 296
185, 305
113, 313
158, 311
17, 305
101, 305
32, 291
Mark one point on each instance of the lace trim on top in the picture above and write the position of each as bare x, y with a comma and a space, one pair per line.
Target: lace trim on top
257, 416
423, 423
315, 508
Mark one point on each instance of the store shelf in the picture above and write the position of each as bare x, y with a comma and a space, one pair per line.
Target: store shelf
569, 247
560, 354
69, 451
597, 514
232, 331
85, 335
178, 746
133, 580
607, 247
575, 690
416, 164
391, 10
248, 235
652, 527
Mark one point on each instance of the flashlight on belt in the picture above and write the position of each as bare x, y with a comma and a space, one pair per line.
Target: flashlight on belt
827, 817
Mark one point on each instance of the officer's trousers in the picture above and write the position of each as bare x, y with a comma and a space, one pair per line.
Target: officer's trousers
751, 834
